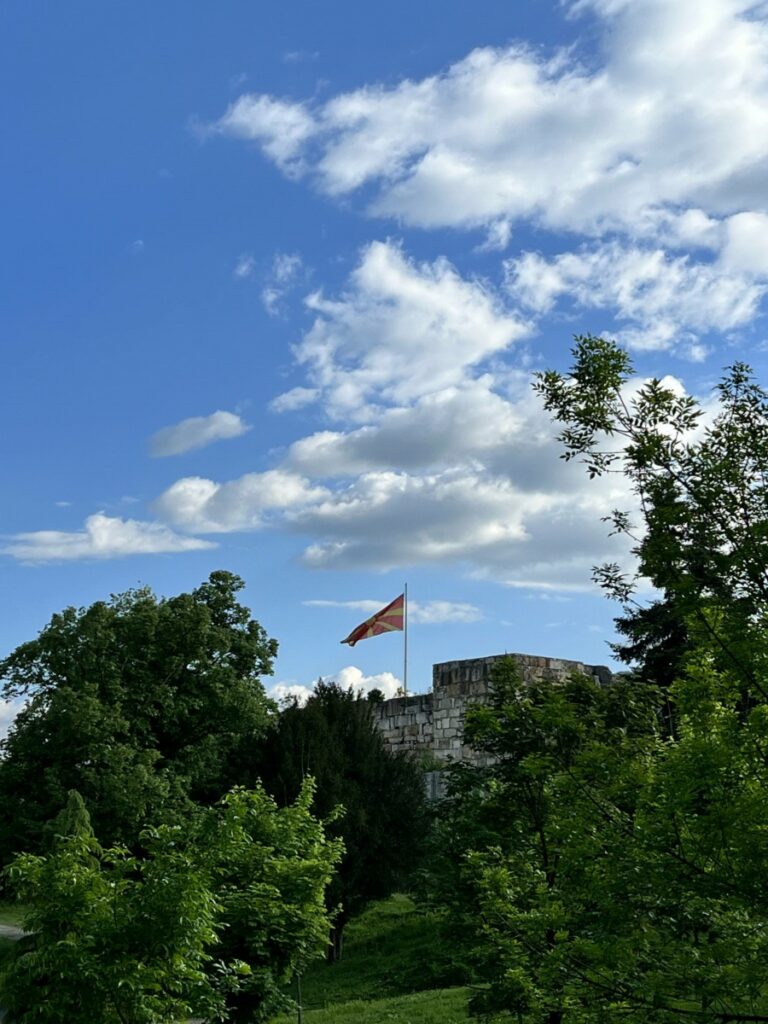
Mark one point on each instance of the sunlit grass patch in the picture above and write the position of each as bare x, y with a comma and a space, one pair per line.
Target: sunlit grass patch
437, 1006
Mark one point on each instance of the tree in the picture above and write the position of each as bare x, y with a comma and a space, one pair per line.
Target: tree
380, 794
516, 844
214, 916
143, 705
600, 871
115, 939
702, 496
615, 871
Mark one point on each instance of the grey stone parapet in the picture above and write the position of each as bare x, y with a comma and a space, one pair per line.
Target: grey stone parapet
432, 724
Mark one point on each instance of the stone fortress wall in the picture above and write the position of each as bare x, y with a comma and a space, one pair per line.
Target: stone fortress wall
432, 723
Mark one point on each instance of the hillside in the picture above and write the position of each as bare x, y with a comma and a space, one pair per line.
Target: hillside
393, 972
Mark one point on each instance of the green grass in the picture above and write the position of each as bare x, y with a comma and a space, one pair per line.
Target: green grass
392, 949
12, 913
395, 969
437, 1006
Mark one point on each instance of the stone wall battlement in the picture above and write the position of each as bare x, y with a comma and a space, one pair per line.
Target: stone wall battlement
433, 723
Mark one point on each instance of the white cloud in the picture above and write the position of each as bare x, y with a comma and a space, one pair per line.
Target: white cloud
454, 462
665, 300
746, 244
349, 678
442, 428
484, 522
204, 506
674, 115
353, 678
285, 266
282, 127
435, 612
196, 432
285, 693
102, 537
244, 266
8, 711
426, 613
284, 274
294, 399
300, 56
400, 331
426, 450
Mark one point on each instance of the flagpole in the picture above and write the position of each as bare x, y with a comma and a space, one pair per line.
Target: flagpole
405, 644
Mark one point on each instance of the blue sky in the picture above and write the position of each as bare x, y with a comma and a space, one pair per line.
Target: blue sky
276, 278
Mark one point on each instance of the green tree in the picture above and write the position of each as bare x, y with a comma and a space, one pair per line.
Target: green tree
141, 704
700, 530
212, 917
517, 838
272, 868
116, 939
615, 864
381, 793
599, 870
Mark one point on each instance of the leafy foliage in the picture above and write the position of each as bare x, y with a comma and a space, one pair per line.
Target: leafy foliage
702, 492
606, 871
613, 849
271, 868
142, 705
217, 915
116, 939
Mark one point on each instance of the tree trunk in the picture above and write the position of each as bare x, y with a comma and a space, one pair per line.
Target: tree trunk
336, 943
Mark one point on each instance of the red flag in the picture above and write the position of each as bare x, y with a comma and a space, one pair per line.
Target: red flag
388, 620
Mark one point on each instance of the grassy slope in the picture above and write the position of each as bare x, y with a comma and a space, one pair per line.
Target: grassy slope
390, 974
436, 1006
11, 913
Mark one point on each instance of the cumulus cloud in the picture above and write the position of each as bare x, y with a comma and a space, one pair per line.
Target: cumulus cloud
439, 429
294, 399
401, 330
282, 127
196, 432
102, 537
441, 455
746, 244
464, 517
665, 301
427, 447
349, 678
673, 116
474, 519
426, 613
204, 506
512, 511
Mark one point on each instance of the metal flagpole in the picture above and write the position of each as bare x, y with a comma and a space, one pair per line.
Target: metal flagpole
405, 644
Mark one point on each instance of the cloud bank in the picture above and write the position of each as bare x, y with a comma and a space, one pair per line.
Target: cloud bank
102, 537
349, 678
672, 118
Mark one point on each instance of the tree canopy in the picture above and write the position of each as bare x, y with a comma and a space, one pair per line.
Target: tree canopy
700, 528
210, 918
143, 705
375, 798
607, 863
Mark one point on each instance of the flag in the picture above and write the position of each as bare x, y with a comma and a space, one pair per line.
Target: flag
388, 620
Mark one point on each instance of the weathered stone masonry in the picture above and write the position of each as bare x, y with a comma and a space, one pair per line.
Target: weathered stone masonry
433, 722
